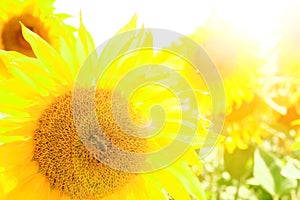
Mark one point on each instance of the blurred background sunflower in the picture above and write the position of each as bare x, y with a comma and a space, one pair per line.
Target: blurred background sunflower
283, 90
37, 15
236, 56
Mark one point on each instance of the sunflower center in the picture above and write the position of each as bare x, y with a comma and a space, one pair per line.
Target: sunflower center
67, 163
12, 38
245, 110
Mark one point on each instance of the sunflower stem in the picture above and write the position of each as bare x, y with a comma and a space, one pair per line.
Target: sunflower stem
237, 189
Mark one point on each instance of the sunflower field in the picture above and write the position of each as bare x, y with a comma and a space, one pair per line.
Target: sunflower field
150, 113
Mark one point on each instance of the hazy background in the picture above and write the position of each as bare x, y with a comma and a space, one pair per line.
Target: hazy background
104, 18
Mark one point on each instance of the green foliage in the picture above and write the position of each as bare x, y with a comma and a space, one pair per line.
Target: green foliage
267, 168
237, 162
291, 169
296, 145
264, 173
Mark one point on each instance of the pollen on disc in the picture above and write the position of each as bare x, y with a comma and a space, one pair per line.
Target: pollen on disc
67, 163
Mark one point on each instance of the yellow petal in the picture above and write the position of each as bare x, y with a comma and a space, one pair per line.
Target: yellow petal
9, 56
17, 88
40, 80
8, 99
65, 197
55, 195
49, 57
17, 128
20, 173
191, 183
295, 122
137, 189
191, 156
172, 184
154, 188
33, 188
1, 188
12, 154
4, 74
67, 40
85, 44
130, 26
8, 139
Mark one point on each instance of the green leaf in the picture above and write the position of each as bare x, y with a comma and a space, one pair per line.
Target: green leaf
263, 174
296, 145
291, 170
252, 181
267, 170
236, 163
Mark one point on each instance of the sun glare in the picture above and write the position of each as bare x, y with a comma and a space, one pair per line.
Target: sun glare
257, 17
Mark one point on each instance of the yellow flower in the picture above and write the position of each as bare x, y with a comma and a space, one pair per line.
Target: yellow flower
42, 155
246, 125
282, 95
286, 90
37, 15
282, 91
236, 57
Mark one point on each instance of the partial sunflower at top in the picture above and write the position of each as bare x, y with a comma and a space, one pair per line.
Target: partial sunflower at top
36, 15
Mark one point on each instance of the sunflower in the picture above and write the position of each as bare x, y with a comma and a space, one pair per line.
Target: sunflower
282, 96
246, 126
37, 15
286, 89
286, 97
43, 157
236, 56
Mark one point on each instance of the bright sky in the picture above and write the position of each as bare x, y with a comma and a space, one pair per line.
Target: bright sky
104, 18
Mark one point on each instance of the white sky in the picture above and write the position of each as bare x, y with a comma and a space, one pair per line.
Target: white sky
104, 18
